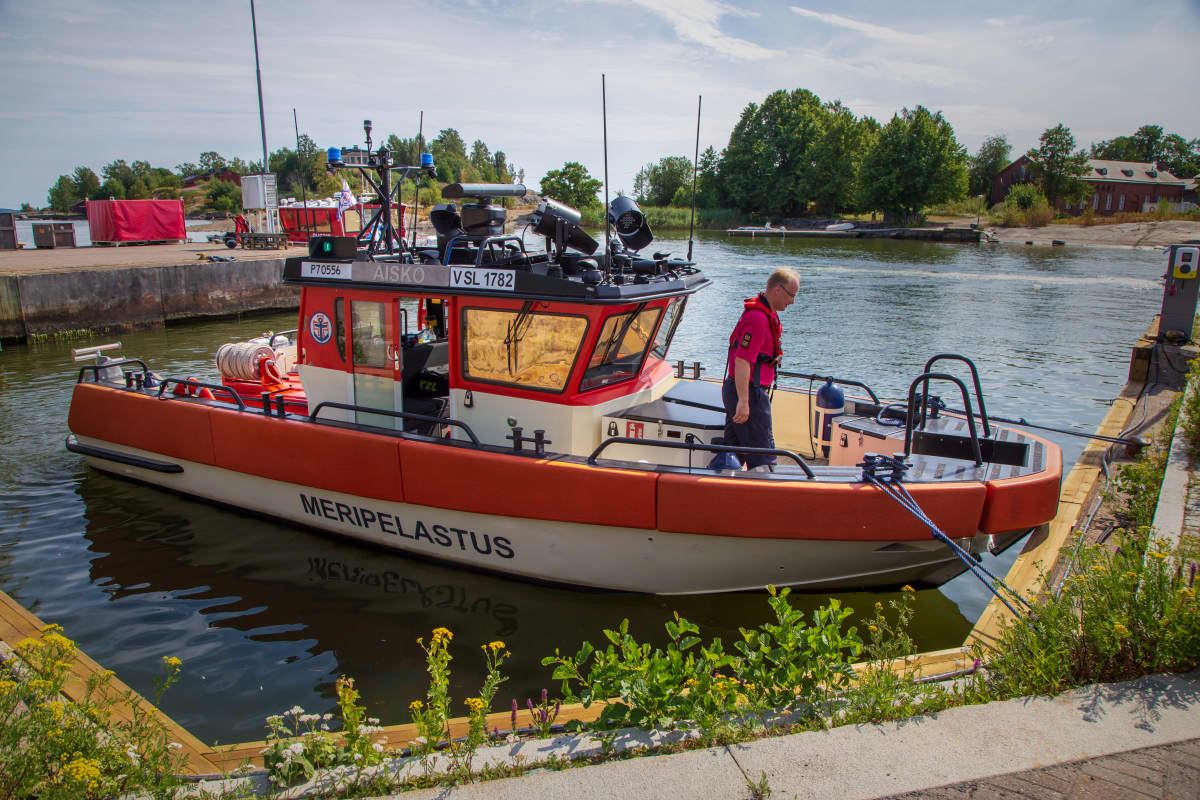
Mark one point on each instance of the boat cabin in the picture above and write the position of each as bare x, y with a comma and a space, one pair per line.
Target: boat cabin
485, 332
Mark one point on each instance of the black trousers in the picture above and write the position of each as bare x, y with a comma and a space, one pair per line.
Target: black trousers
755, 431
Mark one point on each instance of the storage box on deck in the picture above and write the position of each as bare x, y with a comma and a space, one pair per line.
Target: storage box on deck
667, 421
53, 234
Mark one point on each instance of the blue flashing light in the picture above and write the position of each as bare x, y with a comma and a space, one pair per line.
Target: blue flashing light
334, 155
426, 159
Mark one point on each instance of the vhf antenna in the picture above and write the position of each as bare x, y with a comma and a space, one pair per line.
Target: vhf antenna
604, 113
308, 222
417, 180
695, 169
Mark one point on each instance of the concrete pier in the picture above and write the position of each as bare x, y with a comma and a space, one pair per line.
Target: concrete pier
44, 291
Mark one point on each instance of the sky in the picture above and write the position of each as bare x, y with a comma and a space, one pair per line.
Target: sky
90, 81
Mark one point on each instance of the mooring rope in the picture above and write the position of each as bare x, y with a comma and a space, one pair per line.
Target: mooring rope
886, 473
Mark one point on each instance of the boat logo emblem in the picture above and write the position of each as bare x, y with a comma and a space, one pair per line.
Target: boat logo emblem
320, 327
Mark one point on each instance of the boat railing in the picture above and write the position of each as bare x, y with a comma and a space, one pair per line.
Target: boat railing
96, 369
485, 246
405, 415
192, 385
987, 431
846, 381
910, 421
692, 445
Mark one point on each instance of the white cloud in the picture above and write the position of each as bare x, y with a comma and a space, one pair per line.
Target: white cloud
696, 21
878, 32
133, 64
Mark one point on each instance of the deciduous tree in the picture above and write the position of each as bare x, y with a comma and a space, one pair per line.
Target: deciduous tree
449, 155
62, 194
837, 156
656, 184
1057, 166
571, 185
87, 184
991, 157
916, 162
211, 161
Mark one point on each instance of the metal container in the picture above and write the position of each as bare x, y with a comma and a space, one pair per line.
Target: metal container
53, 234
8, 230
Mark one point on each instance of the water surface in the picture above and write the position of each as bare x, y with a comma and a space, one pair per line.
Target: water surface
265, 616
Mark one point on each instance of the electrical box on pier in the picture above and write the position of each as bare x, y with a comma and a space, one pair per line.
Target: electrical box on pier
1181, 288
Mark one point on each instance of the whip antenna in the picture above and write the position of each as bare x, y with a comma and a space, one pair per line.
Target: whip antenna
308, 223
695, 169
417, 180
604, 113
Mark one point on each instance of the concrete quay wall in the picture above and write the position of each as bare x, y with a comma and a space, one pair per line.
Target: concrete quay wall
139, 297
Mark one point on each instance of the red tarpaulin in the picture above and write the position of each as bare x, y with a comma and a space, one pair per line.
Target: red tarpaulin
136, 220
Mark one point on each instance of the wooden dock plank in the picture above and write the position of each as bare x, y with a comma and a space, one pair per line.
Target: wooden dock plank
1042, 551
16, 623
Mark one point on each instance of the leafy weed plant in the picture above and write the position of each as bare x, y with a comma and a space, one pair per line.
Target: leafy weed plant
53, 748
1124, 613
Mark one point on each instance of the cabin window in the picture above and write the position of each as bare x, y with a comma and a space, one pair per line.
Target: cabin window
666, 331
521, 348
368, 333
339, 326
620, 349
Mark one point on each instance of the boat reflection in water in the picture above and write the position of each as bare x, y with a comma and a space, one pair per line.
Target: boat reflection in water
266, 616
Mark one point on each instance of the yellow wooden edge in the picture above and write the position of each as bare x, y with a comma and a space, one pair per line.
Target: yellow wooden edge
1043, 548
17, 623
1040, 553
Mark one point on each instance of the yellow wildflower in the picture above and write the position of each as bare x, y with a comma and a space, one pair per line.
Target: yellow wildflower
907, 588
442, 633
873, 629
1187, 593
495, 647
58, 640
171, 662
6, 688
475, 704
1120, 630
40, 685
879, 606
52, 627
83, 772
1099, 568
415, 705
62, 664
28, 644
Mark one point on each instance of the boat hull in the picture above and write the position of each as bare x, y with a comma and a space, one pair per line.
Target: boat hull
587, 555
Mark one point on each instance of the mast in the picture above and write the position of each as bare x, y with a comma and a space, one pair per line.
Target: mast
262, 119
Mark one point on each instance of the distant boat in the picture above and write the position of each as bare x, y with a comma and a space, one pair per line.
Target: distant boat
840, 226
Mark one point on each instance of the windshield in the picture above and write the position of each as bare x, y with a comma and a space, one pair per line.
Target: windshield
621, 347
531, 350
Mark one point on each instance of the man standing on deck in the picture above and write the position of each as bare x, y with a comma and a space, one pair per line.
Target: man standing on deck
755, 349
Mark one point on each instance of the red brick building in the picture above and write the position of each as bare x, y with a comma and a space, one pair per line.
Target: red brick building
1115, 185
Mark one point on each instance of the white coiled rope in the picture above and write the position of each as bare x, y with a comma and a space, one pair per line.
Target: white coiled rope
243, 361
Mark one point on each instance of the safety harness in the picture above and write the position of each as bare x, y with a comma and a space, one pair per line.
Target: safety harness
757, 303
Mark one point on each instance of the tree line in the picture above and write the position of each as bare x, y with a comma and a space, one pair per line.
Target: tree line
793, 154
302, 171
